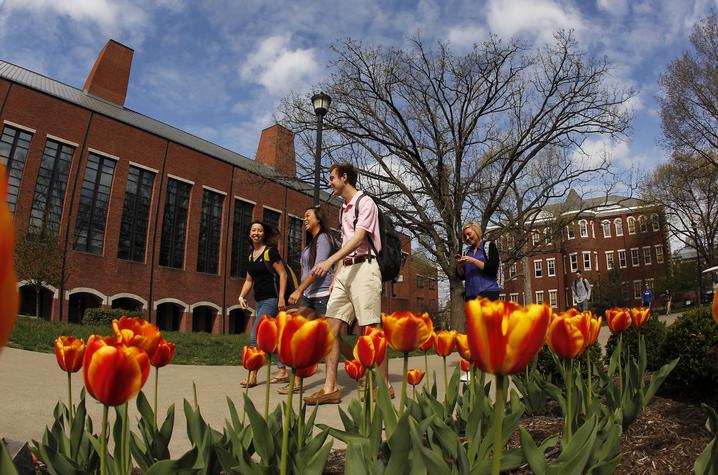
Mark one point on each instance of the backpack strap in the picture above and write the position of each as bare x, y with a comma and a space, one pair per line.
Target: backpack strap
270, 269
356, 218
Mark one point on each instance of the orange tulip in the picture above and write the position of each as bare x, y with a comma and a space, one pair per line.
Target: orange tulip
504, 336
465, 365
445, 342
594, 328
566, 335
354, 369
135, 331
640, 315
164, 353
462, 343
113, 372
69, 352
252, 358
714, 307
406, 331
370, 349
414, 376
302, 342
9, 297
428, 343
267, 334
308, 371
618, 319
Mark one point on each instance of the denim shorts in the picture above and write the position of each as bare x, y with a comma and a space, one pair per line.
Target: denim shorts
318, 304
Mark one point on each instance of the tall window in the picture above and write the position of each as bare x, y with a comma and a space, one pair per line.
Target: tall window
535, 237
240, 238
647, 256
539, 297
583, 228
174, 223
294, 242
570, 232
574, 261
94, 201
49, 195
659, 254
210, 229
655, 223
610, 264
514, 297
635, 258
586, 260
631, 225
622, 259
271, 218
618, 222
553, 298
135, 215
606, 227
643, 224
637, 289
512, 270
547, 235
551, 267
14, 144
538, 269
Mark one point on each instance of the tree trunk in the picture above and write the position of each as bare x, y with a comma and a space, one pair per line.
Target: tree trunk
528, 294
458, 314
37, 302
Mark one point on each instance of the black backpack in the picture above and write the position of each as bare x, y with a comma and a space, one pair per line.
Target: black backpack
390, 256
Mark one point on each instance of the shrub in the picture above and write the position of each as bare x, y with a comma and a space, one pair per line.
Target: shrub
547, 366
654, 333
104, 316
694, 338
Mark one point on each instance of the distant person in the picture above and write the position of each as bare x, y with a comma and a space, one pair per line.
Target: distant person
647, 297
269, 281
669, 301
479, 267
581, 292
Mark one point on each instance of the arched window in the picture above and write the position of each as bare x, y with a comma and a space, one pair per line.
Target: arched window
655, 223
642, 223
547, 235
606, 226
631, 225
618, 222
583, 228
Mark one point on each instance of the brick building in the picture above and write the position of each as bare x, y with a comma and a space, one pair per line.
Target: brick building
149, 216
619, 244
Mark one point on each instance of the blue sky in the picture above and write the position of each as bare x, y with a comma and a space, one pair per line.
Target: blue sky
218, 68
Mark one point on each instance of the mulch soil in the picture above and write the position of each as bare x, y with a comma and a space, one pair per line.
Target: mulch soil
667, 437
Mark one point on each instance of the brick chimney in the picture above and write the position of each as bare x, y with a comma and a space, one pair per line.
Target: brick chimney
111, 73
276, 149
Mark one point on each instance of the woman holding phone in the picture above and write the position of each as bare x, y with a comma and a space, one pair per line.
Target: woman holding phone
479, 266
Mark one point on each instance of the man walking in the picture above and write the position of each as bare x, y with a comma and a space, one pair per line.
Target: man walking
356, 288
581, 292
647, 296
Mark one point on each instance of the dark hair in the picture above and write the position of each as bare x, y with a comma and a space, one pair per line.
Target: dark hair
269, 232
323, 228
347, 169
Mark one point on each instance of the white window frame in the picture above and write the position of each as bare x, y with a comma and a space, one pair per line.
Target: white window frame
655, 222
502, 297
538, 268
649, 261
610, 263
535, 237
538, 299
650, 283
659, 253
631, 224
622, 252
551, 267
637, 289
573, 260
583, 228
606, 228
547, 236
643, 224
635, 257
512, 270
553, 298
618, 224
586, 259
570, 231
514, 297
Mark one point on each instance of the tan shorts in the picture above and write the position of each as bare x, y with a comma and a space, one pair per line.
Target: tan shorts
357, 294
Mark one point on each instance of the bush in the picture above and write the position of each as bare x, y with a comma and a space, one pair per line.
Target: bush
694, 338
547, 366
654, 333
104, 316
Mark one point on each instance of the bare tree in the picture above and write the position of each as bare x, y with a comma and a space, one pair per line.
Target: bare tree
38, 259
441, 137
689, 99
686, 187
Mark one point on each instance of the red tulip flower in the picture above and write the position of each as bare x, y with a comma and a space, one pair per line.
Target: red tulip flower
302, 342
618, 319
9, 297
308, 371
267, 334
113, 372
465, 365
566, 335
354, 369
414, 376
69, 352
252, 358
714, 307
445, 342
370, 348
639, 316
406, 331
594, 328
462, 345
134, 331
428, 343
164, 353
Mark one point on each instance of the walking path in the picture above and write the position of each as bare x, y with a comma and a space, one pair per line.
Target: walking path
32, 383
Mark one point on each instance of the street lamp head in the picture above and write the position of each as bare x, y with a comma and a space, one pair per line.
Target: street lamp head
321, 103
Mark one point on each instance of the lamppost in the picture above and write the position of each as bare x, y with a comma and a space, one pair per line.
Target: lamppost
321, 104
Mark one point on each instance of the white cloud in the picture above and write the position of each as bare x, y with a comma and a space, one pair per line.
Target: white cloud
466, 35
537, 18
114, 15
593, 151
278, 68
616, 8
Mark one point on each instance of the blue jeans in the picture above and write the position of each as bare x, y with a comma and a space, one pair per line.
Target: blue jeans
270, 308
318, 304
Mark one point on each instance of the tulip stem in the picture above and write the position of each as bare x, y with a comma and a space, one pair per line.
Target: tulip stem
300, 422
498, 424
126, 459
370, 398
266, 395
103, 442
446, 381
285, 429
568, 377
157, 385
403, 384
590, 382
244, 404
620, 367
426, 367
69, 396
413, 392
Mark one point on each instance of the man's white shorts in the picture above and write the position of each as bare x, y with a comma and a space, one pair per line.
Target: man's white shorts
357, 294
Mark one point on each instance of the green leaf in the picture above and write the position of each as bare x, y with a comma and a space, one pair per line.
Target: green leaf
316, 463
435, 463
355, 463
7, 467
535, 457
262, 438
657, 380
707, 461
182, 466
399, 443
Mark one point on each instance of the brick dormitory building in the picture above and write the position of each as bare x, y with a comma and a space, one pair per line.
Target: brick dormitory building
149, 217
619, 244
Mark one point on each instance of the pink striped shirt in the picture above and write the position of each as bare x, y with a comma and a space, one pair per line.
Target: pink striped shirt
368, 220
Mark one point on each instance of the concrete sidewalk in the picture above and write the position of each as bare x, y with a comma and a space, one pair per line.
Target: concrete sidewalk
32, 383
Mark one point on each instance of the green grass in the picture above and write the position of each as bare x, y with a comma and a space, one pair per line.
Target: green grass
35, 334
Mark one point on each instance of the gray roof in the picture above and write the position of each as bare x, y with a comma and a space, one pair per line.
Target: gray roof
78, 97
